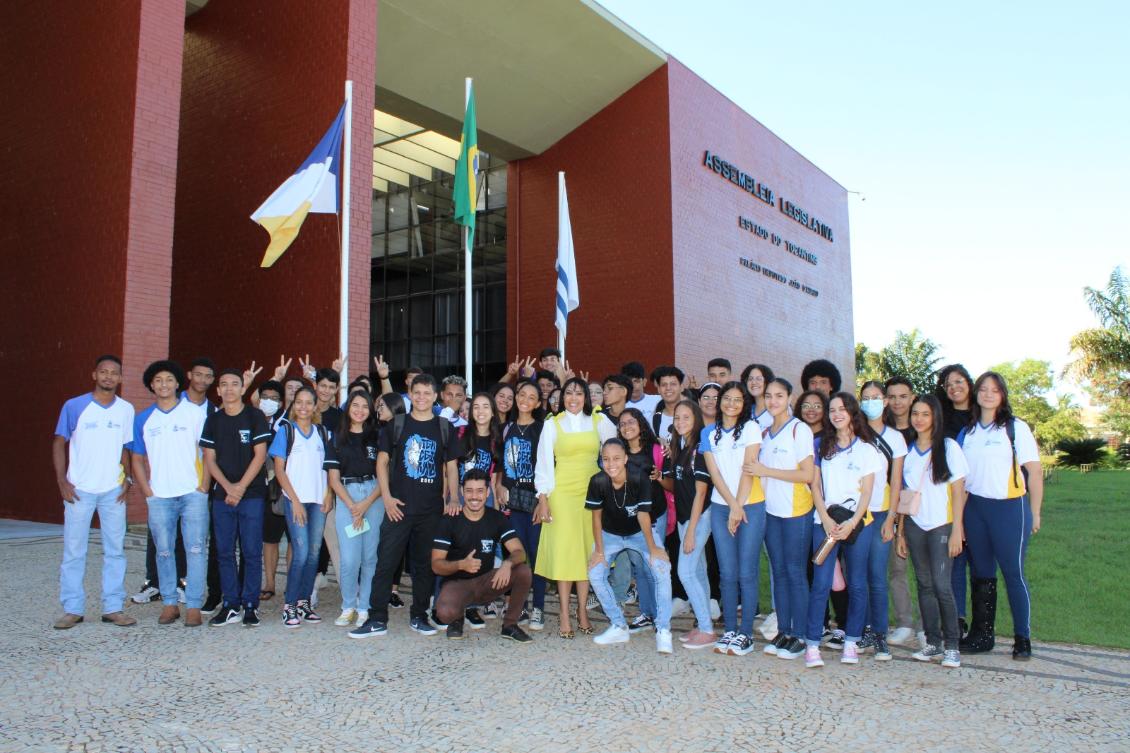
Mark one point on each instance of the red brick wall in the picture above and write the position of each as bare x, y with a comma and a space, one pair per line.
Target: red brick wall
263, 79
86, 182
617, 174
721, 307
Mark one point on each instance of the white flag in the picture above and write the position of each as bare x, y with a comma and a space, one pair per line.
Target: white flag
568, 291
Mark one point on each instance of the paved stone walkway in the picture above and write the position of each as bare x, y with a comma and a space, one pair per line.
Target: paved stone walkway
152, 688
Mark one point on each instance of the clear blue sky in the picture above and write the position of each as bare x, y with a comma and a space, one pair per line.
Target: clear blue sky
991, 141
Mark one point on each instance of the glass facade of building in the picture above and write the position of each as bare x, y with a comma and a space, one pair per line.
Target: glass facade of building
418, 270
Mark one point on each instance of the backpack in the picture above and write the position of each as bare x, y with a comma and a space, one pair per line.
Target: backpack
398, 422
882, 446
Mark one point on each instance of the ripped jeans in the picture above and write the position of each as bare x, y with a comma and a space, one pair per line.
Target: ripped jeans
191, 511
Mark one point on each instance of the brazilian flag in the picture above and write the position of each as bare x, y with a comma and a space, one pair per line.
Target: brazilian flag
467, 169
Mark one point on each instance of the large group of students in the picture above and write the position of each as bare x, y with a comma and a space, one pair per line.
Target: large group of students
664, 501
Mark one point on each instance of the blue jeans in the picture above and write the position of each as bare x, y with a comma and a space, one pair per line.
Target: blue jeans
856, 558
959, 578
659, 573
997, 531
626, 565
191, 511
358, 554
787, 540
307, 542
879, 604
529, 534
739, 562
692, 572
245, 520
76, 537
643, 583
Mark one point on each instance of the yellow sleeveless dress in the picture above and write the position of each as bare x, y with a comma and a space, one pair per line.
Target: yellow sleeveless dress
566, 543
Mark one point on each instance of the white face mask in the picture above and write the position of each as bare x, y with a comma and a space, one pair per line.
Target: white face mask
269, 406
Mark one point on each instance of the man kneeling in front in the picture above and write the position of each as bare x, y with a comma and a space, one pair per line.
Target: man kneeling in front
463, 554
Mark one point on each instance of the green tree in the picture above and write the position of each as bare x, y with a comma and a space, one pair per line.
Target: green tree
1065, 424
1102, 354
1028, 382
866, 365
911, 355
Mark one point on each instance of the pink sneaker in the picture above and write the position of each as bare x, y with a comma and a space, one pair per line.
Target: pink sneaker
812, 657
851, 653
698, 639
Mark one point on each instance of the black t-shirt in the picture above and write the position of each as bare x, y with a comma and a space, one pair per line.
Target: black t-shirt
416, 464
645, 461
620, 506
331, 418
956, 420
234, 439
482, 455
520, 454
358, 454
686, 476
458, 535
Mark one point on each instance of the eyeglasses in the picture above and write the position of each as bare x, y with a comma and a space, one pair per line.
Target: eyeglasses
708, 399
731, 400
954, 385
811, 406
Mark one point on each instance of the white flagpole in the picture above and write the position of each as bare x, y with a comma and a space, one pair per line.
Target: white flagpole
346, 161
468, 294
560, 191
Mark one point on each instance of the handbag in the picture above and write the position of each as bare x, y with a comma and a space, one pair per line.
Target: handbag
841, 513
911, 501
522, 500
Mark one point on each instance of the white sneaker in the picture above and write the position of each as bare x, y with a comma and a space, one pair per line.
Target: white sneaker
614, 634
715, 610
148, 593
769, 627
180, 595
537, 619
663, 641
679, 606
362, 616
952, 659
921, 639
900, 636
346, 618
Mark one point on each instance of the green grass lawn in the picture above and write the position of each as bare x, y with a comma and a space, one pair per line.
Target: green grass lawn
1078, 565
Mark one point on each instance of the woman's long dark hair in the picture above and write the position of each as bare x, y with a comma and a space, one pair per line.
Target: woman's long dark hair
494, 432
512, 413
766, 373
538, 412
859, 425
1004, 412
941, 469
743, 417
888, 419
368, 426
803, 398
647, 436
395, 404
587, 410
681, 449
940, 390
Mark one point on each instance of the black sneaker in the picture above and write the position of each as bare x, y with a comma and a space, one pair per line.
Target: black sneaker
250, 617
474, 620
224, 616
777, 644
792, 649
422, 626
641, 623
741, 645
211, 604
435, 619
867, 640
395, 601
836, 640
455, 630
524, 618
515, 633
290, 617
306, 612
368, 629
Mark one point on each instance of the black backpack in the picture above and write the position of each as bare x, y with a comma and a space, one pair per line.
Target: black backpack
398, 422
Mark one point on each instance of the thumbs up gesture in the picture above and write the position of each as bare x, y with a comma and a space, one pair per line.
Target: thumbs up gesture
470, 563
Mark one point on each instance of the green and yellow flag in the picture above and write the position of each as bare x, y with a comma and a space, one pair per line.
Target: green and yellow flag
467, 169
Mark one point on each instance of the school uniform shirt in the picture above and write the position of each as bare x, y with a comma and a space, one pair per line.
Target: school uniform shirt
619, 507
764, 420
458, 535
686, 476
519, 454
234, 439
545, 477
482, 456
647, 405
308, 461
207, 407
936, 506
357, 454
416, 466
784, 451
169, 439
729, 457
989, 454
881, 491
456, 420
842, 475
95, 435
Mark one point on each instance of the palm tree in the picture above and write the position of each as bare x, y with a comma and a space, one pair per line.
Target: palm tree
1104, 352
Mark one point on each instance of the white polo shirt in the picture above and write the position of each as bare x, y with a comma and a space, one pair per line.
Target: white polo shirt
936, 506
784, 451
881, 491
95, 435
729, 457
170, 440
842, 475
989, 454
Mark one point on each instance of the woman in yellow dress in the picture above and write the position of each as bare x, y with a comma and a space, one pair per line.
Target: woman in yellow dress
567, 458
